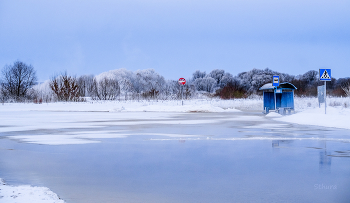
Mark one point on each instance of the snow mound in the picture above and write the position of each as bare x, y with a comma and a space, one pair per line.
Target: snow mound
27, 193
335, 117
273, 115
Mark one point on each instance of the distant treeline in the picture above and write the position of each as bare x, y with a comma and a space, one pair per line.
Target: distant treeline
306, 83
19, 83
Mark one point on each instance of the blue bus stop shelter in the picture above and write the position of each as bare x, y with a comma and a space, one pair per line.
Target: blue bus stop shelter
282, 94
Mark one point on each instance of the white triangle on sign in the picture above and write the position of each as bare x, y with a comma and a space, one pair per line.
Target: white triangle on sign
325, 75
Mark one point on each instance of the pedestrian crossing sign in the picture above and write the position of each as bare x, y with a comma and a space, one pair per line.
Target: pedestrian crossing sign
325, 75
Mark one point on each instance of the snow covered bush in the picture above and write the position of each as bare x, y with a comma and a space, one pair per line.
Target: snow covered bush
65, 87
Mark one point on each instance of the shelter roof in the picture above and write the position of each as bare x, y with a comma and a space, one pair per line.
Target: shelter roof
285, 85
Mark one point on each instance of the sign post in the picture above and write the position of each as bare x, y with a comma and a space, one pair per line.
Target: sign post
325, 75
275, 83
320, 95
182, 82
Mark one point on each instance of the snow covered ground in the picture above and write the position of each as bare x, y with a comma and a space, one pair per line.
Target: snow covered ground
336, 117
128, 106
307, 109
308, 112
26, 194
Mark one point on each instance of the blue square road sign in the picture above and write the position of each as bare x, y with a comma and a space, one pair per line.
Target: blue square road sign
325, 75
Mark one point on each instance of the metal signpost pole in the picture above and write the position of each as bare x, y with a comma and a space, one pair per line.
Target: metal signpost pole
275, 83
182, 83
325, 96
325, 75
182, 95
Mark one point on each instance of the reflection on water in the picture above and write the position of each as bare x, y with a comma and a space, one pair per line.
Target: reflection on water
325, 157
325, 160
275, 143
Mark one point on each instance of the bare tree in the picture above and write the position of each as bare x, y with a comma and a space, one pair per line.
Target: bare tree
17, 79
3, 96
65, 87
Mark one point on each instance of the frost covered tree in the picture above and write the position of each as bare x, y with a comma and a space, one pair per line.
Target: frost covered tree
198, 74
207, 84
217, 74
189, 91
310, 77
346, 88
43, 92
307, 83
150, 82
85, 84
17, 79
105, 89
145, 83
124, 77
227, 78
231, 90
255, 78
171, 89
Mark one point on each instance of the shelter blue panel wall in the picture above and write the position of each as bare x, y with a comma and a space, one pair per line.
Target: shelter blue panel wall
287, 100
269, 100
278, 100
283, 100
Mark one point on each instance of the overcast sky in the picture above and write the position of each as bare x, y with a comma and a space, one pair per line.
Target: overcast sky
176, 37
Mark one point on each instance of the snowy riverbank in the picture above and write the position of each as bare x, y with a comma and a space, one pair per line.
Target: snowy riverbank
27, 193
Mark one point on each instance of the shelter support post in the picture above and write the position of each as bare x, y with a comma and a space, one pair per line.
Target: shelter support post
274, 94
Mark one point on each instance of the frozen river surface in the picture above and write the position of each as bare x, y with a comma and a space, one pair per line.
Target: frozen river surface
174, 157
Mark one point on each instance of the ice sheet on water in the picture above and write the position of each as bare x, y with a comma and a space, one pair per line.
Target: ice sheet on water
86, 138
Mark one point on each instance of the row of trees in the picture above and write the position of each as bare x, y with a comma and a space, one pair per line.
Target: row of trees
115, 84
247, 83
19, 82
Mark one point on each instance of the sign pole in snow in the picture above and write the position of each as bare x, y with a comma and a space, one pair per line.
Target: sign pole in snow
325, 75
182, 82
325, 103
275, 83
182, 95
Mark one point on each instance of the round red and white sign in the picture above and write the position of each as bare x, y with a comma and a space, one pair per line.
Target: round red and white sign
182, 81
